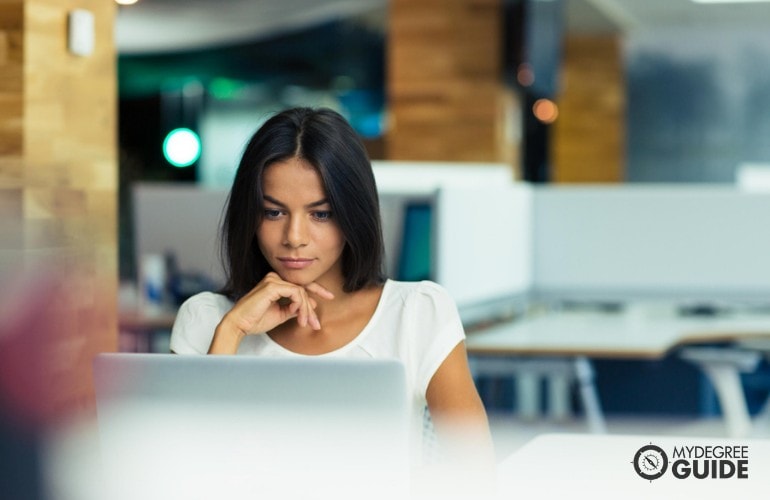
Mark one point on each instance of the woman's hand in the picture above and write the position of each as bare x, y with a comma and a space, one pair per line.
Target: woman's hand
270, 303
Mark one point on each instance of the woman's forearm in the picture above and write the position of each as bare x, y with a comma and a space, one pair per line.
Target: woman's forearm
227, 338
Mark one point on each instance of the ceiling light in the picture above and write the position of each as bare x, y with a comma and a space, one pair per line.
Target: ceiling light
182, 147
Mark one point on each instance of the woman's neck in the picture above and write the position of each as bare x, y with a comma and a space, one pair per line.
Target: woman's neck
338, 306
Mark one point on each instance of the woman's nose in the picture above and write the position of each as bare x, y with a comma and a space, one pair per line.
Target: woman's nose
296, 232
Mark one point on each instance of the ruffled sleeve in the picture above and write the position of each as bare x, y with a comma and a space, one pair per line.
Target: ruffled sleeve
439, 330
196, 321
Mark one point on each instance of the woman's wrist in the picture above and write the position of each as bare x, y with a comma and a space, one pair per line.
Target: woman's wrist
227, 337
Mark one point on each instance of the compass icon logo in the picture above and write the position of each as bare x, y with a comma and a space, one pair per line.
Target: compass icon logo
650, 462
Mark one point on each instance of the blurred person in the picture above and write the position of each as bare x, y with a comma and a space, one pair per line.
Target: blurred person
39, 390
303, 252
21, 408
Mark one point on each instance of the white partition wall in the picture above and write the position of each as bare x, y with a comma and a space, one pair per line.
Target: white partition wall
424, 178
483, 249
496, 240
182, 220
667, 241
401, 183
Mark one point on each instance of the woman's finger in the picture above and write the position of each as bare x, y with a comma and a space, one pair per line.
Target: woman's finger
319, 290
309, 317
315, 324
293, 301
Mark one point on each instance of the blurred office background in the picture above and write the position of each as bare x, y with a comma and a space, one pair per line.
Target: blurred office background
561, 91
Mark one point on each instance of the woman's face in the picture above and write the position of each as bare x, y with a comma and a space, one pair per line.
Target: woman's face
298, 234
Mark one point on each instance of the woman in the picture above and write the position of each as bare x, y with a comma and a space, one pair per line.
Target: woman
303, 252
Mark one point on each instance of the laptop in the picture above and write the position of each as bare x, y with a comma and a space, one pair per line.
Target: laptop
177, 426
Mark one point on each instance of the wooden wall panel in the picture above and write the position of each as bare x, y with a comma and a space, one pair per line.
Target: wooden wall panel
589, 136
11, 80
446, 97
58, 183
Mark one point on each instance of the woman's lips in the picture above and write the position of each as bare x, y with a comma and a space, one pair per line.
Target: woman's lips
295, 263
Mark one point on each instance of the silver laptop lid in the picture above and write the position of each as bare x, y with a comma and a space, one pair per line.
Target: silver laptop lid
174, 426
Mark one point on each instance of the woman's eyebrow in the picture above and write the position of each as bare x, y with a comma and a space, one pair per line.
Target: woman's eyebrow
318, 203
273, 201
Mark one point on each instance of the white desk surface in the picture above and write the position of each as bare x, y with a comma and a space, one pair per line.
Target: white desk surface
634, 334
600, 466
639, 333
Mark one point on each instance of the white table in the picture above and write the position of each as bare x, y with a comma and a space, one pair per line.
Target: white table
559, 345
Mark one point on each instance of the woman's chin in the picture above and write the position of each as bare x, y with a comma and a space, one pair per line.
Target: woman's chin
296, 278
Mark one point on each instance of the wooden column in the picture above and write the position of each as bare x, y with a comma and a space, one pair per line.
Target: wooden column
446, 97
589, 136
58, 200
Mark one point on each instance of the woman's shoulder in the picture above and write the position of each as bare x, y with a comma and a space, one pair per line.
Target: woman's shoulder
408, 291
204, 301
196, 321
424, 286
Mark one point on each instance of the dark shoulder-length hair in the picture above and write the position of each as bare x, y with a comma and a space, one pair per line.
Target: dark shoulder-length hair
324, 139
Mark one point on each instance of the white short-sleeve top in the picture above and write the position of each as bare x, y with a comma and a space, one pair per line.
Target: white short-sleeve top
414, 322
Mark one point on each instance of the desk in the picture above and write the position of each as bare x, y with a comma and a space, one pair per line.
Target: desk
138, 328
600, 466
562, 342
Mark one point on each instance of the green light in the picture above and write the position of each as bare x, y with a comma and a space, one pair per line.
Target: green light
182, 147
225, 88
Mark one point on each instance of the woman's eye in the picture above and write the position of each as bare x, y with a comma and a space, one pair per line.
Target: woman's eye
323, 215
272, 213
